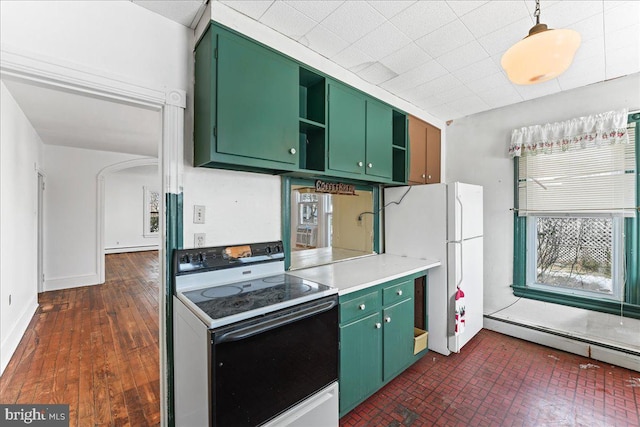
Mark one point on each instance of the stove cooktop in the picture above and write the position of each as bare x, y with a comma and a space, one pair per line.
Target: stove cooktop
228, 303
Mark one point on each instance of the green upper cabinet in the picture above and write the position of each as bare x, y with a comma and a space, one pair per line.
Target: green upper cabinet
246, 104
256, 109
347, 133
360, 135
379, 138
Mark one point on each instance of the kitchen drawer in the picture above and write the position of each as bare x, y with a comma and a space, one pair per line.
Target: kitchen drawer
359, 306
397, 292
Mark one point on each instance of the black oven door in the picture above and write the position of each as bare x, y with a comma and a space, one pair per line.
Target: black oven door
262, 367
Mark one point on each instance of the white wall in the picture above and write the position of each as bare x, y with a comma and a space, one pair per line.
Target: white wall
240, 207
124, 209
70, 215
477, 152
116, 38
20, 153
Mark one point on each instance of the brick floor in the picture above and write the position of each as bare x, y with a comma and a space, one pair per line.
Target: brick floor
502, 381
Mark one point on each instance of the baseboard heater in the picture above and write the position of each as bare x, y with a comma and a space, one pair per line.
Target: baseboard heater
567, 336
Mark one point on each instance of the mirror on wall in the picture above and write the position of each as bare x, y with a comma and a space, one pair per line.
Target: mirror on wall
330, 227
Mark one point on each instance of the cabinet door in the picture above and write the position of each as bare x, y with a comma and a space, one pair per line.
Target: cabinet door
418, 150
379, 139
433, 155
257, 102
360, 360
346, 130
398, 337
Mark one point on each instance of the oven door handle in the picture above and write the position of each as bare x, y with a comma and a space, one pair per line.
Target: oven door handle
249, 331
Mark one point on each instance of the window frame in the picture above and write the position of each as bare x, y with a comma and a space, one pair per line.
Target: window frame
288, 181
630, 306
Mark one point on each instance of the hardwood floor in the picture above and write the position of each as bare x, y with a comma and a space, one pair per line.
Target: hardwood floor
95, 348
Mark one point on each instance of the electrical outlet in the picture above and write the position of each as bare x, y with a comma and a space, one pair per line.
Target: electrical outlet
200, 240
198, 214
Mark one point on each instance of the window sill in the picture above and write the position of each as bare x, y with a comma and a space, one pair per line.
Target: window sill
604, 306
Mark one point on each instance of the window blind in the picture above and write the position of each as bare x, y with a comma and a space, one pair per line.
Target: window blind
593, 180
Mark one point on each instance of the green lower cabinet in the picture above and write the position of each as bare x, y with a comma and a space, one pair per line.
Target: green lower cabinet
360, 362
376, 339
398, 338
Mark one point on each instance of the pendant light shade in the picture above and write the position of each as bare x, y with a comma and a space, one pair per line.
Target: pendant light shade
543, 55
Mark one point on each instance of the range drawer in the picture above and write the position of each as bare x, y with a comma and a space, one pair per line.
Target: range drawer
359, 306
397, 292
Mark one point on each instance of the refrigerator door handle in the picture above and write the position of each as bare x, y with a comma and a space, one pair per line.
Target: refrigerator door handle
459, 282
461, 216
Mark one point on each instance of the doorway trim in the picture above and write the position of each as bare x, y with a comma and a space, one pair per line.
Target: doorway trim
49, 72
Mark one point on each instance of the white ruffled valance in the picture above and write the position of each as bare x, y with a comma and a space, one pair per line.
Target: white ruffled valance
581, 132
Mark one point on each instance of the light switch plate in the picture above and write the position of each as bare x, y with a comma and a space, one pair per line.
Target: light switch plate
199, 240
198, 214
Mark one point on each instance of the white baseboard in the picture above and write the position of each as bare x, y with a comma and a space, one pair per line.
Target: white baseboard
10, 343
71, 282
603, 353
125, 249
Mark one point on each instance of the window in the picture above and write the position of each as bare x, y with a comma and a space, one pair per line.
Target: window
576, 228
151, 212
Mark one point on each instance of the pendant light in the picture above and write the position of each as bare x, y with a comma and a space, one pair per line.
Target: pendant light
542, 55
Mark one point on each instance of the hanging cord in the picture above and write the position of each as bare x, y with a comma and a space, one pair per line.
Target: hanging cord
537, 12
504, 308
382, 208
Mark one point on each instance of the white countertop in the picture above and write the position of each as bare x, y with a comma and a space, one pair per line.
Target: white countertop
353, 275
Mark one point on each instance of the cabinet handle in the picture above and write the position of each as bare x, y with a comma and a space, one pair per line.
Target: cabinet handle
378, 325
361, 306
424, 175
370, 165
387, 319
429, 176
292, 151
360, 164
399, 292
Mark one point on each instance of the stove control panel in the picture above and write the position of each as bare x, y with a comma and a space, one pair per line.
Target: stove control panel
198, 260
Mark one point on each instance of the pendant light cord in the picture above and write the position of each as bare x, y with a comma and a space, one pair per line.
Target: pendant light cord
537, 12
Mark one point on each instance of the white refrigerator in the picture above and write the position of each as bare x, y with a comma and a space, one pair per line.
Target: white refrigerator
443, 222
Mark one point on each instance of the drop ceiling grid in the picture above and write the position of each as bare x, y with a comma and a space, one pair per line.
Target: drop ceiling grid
401, 46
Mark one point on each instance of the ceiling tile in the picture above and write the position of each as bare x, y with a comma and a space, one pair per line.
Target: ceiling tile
352, 20
463, 56
385, 40
499, 97
628, 36
287, 20
468, 105
501, 40
425, 102
478, 70
323, 41
564, 13
315, 9
621, 62
589, 28
353, 59
456, 93
497, 81
445, 39
622, 16
589, 49
405, 59
495, 15
377, 73
437, 86
390, 8
583, 72
462, 7
423, 17
538, 90
252, 8
412, 78
444, 112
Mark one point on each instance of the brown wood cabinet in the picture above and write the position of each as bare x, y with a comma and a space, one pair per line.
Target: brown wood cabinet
424, 142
